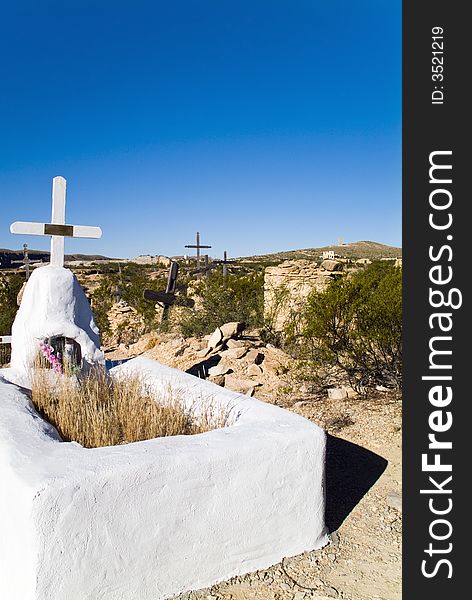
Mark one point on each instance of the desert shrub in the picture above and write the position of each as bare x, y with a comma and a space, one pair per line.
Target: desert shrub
221, 300
10, 285
102, 301
131, 283
96, 410
278, 317
356, 324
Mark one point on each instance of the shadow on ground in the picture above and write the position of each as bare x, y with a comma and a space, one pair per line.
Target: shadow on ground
350, 472
200, 369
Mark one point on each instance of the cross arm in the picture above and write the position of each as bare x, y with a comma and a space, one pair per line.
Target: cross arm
81, 231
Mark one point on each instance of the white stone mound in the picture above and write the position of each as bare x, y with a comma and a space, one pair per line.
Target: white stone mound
53, 304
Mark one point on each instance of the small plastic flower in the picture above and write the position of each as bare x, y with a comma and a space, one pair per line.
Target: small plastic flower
48, 353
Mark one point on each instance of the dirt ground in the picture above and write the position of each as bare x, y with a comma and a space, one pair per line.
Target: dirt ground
363, 514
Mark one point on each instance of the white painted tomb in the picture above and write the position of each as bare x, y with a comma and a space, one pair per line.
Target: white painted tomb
53, 305
155, 518
146, 520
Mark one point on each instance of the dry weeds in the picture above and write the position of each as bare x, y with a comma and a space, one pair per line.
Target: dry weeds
96, 410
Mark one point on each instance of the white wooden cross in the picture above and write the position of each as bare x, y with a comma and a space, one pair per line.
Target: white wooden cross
57, 229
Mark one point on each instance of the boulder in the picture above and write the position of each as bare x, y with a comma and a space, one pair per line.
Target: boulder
218, 379
230, 330
254, 356
215, 338
350, 391
203, 352
220, 369
254, 370
235, 344
234, 352
243, 386
331, 265
337, 393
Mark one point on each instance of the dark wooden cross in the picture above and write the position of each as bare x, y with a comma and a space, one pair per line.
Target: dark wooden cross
225, 263
168, 298
26, 261
198, 246
209, 267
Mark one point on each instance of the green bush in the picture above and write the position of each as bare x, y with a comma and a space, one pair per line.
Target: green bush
221, 300
10, 285
102, 301
131, 282
356, 324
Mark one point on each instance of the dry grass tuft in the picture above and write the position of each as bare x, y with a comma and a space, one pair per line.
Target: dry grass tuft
96, 410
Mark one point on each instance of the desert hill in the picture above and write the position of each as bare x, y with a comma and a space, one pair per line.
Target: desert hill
353, 251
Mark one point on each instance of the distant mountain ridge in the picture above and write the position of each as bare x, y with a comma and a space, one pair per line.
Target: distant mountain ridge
8, 257
353, 251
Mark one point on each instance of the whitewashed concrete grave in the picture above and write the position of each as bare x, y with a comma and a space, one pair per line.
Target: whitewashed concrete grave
54, 310
146, 520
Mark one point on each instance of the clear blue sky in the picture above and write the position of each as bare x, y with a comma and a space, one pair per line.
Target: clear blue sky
267, 125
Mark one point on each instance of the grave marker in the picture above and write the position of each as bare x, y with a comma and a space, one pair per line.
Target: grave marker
225, 262
198, 246
26, 261
57, 229
168, 298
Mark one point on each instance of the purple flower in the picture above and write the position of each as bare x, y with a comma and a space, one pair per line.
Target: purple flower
48, 353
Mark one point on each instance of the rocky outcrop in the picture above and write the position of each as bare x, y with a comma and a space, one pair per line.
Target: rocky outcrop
331, 265
242, 363
147, 259
126, 325
288, 285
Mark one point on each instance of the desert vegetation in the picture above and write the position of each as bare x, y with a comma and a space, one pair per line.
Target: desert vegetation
129, 284
97, 410
355, 325
221, 300
353, 328
10, 285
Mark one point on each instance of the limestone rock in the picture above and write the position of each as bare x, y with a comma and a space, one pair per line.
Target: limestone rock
288, 285
337, 393
243, 386
230, 330
126, 325
350, 391
203, 352
275, 361
218, 379
215, 338
234, 344
234, 352
145, 343
254, 356
254, 370
219, 369
331, 265
394, 500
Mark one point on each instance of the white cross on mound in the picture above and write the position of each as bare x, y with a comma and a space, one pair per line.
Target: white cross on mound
57, 229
